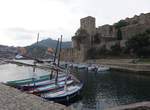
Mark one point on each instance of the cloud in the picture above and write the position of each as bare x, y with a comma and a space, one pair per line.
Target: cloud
20, 33
21, 20
23, 37
17, 36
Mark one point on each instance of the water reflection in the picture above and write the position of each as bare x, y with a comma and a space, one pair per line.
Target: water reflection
109, 89
14, 72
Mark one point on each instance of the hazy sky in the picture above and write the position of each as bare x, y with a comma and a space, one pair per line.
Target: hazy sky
21, 20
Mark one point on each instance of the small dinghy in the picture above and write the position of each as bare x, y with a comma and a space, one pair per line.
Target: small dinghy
103, 68
75, 65
82, 66
92, 67
64, 94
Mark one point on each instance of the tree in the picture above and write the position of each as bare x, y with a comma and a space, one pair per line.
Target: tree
92, 53
82, 36
115, 49
139, 44
37, 51
119, 34
120, 24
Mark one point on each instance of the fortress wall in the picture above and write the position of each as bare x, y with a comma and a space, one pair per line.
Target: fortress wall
132, 30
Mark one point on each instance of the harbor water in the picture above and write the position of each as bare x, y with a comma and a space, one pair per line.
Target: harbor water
101, 90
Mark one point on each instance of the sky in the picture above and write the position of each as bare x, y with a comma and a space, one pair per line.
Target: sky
21, 20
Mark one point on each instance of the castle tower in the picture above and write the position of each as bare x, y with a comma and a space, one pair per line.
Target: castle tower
88, 24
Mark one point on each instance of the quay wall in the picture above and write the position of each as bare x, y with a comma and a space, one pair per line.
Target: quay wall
123, 65
13, 99
71, 54
136, 106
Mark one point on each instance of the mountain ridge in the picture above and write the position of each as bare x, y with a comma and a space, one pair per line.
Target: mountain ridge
40, 50
52, 43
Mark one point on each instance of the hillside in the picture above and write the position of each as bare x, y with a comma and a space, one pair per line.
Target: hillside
52, 43
40, 50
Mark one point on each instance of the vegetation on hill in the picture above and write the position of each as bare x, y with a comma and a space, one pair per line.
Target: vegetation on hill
52, 43
36, 51
120, 24
140, 44
40, 50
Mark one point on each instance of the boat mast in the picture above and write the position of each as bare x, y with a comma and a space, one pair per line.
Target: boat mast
56, 50
67, 72
54, 58
59, 51
58, 59
34, 62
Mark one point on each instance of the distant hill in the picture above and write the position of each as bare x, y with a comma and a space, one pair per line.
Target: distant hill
52, 43
40, 50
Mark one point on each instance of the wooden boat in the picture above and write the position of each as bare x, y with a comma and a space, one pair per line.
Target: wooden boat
63, 87
68, 90
64, 94
50, 87
17, 83
41, 83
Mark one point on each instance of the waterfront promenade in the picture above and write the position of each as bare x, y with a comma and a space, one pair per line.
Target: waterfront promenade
136, 106
13, 99
124, 65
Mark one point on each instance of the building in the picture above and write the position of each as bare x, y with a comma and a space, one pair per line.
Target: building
88, 24
89, 36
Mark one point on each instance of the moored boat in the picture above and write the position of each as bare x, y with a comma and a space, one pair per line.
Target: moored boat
63, 86
103, 68
50, 87
41, 83
82, 66
92, 67
28, 81
64, 94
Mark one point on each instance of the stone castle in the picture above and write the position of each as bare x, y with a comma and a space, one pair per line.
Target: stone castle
89, 36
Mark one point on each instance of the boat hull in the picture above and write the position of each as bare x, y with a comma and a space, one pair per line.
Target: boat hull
47, 82
103, 69
66, 98
47, 89
18, 83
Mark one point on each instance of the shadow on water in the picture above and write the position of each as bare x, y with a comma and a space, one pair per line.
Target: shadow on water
109, 89
72, 101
